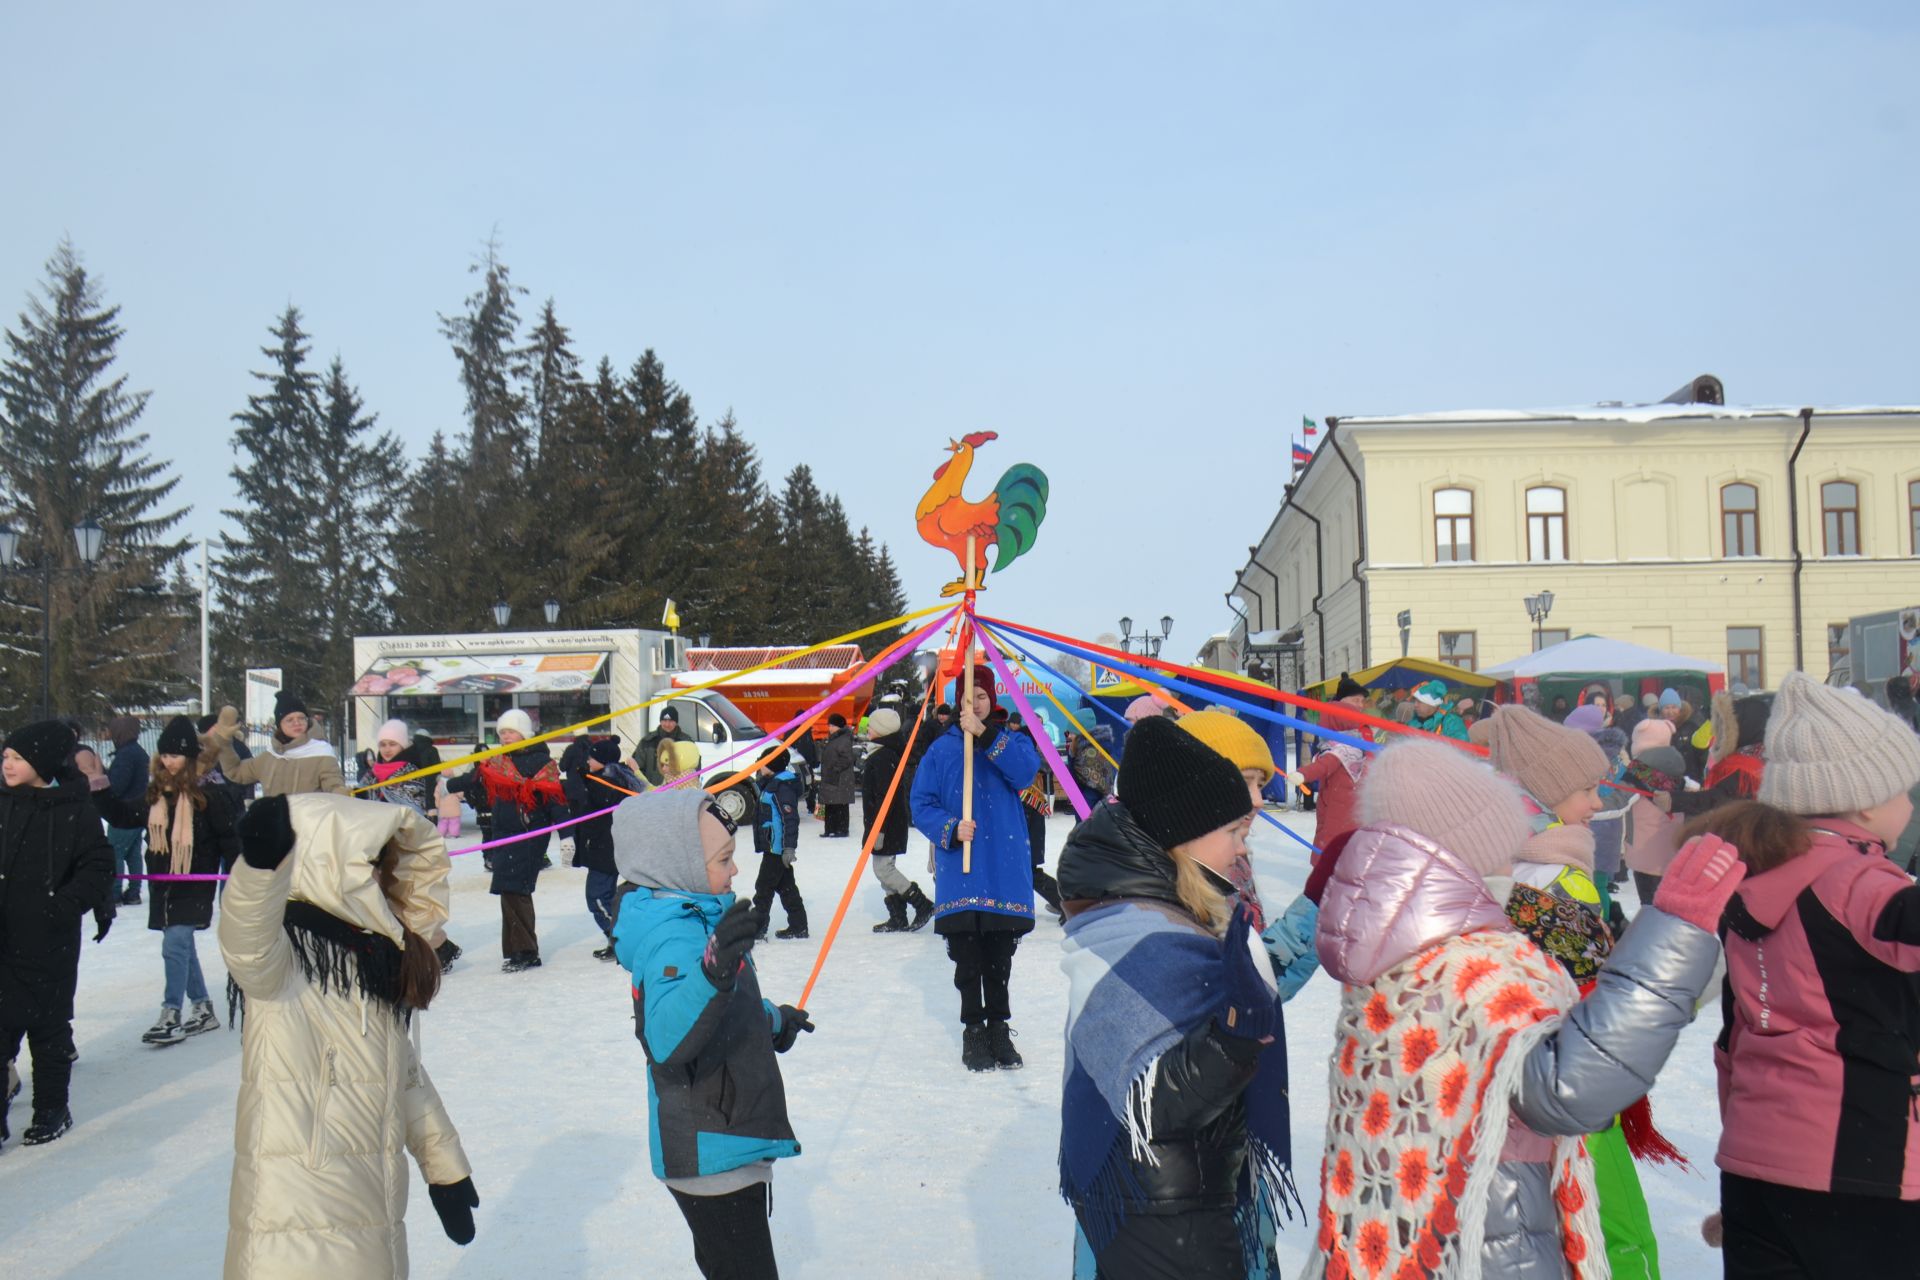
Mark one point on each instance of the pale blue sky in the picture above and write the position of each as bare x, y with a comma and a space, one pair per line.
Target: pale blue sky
1138, 240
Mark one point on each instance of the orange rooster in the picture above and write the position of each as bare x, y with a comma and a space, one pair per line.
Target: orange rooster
1007, 519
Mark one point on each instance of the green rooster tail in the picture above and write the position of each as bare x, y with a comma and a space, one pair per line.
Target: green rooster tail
1023, 505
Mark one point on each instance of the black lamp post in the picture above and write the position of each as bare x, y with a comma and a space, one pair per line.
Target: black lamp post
1538, 607
88, 539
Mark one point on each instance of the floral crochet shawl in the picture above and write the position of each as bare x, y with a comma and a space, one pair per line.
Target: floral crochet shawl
1420, 1092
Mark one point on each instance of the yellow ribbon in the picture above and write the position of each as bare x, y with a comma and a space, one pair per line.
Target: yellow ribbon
490, 752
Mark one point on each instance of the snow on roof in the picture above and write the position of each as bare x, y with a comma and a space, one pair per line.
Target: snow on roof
837, 657
1638, 413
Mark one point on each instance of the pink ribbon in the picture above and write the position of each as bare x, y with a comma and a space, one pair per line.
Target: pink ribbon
1061, 773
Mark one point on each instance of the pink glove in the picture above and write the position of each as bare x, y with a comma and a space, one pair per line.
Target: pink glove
1699, 882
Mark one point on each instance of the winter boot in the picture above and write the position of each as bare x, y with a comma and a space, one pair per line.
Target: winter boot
975, 1053
796, 929
131, 898
201, 1019
519, 962
922, 908
448, 951
1000, 1044
167, 1030
896, 921
47, 1125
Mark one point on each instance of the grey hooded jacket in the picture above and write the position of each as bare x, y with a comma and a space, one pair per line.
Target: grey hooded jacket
1395, 893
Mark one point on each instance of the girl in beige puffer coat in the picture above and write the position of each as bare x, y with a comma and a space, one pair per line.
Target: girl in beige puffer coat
323, 928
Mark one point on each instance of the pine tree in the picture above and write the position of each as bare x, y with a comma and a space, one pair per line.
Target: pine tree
483, 343
552, 374
734, 532
264, 572
437, 558
70, 449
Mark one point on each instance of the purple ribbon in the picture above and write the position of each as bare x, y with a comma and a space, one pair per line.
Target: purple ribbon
1061, 773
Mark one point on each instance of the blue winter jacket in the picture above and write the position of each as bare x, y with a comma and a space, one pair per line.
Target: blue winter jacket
128, 772
1002, 880
714, 1097
776, 829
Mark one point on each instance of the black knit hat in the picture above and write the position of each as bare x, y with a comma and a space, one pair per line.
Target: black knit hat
837, 721
605, 750
1348, 688
285, 703
178, 739
46, 746
1176, 786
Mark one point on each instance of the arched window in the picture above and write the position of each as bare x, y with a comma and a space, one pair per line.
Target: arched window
1546, 523
1452, 525
1840, 517
1739, 520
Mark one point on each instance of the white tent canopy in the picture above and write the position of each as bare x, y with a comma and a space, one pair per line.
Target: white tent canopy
1597, 656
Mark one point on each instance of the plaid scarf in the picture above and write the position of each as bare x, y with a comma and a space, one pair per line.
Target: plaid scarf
1140, 981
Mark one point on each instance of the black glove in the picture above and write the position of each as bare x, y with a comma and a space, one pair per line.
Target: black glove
1252, 1004
727, 948
103, 919
792, 1022
455, 1204
266, 833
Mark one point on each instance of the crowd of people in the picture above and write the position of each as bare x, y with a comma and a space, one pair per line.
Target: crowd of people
1501, 1019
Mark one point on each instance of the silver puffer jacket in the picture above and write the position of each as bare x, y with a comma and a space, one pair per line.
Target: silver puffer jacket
1395, 893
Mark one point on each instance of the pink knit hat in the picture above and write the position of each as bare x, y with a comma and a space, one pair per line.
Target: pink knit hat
1649, 734
1145, 705
1451, 798
1550, 760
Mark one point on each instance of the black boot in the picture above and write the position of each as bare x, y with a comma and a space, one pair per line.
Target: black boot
896, 921
448, 951
47, 1125
131, 898
975, 1053
922, 908
796, 928
1000, 1044
606, 952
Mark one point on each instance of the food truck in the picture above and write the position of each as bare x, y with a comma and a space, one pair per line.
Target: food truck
774, 697
455, 687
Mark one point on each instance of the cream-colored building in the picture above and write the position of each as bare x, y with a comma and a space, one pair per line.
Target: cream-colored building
1743, 535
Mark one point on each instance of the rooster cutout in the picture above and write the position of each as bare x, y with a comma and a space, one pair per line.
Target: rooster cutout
1008, 518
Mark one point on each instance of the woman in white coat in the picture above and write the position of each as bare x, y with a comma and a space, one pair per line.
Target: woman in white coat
323, 928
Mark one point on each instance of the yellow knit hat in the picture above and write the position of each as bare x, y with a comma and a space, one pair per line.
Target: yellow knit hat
1233, 738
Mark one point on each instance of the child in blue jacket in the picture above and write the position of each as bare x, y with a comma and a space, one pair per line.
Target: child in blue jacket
776, 838
716, 1108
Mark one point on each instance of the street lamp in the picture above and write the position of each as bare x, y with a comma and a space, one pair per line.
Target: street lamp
552, 608
1538, 607
1126, 634
88, 538
502, 613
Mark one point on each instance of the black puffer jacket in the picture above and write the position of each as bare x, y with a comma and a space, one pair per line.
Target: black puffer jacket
1199, 1143
216, 843
593, 839
55, 866
876, 776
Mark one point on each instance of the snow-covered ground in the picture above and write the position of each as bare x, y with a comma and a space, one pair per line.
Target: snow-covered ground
911, 1165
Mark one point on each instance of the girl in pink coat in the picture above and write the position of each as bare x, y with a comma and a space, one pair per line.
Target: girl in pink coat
1819, 1051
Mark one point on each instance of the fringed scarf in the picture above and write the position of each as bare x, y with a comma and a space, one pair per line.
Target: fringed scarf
505, 785
1420, 1090
1141, 981
177, 842
336, 959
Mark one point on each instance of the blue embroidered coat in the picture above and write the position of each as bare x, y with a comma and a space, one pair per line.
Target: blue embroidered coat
998, 895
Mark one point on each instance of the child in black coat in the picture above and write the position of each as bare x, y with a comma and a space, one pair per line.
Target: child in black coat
776, 838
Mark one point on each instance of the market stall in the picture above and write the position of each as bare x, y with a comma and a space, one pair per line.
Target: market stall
1590, 663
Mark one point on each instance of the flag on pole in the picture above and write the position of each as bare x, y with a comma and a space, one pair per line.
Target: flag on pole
1301, 456
1308, 427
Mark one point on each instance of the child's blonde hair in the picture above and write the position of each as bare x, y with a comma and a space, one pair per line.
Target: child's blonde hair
1198, 893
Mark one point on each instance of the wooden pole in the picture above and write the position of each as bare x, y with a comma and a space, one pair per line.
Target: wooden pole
966, 708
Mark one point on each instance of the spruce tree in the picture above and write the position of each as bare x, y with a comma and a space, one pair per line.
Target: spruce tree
70, 450
264, 570
437, 559
359, 473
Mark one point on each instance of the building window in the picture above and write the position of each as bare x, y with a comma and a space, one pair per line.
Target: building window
1840, 516
1452, 525
1746, 657
1546, 523
1547, 637
1739, 520
1913, 515
1459, 649
1837, 647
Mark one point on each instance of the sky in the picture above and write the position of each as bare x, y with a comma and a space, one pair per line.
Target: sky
1138, 240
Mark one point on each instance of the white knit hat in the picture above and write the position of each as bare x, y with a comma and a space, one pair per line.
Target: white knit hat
1451, 798
516, 719
1831, 751
394, 731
